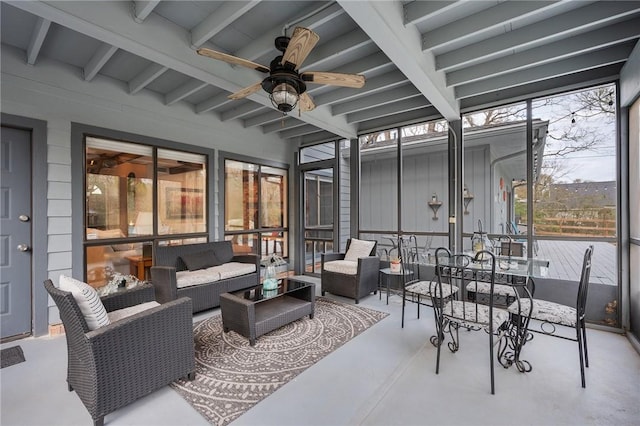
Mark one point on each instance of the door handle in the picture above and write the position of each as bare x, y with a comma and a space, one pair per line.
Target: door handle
23, 247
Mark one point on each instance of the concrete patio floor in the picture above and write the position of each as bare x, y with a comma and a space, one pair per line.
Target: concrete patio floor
385, 376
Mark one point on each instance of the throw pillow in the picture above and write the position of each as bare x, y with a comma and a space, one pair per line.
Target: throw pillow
224, 251
200, 260
358, 248
88, 301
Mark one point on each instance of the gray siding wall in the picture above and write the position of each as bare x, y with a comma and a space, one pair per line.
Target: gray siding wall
49, 93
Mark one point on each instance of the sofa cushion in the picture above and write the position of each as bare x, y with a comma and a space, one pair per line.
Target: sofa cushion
199, 260
88, 301
232, 269
131, 310
359, 248
347, 267
201, 276
223, 252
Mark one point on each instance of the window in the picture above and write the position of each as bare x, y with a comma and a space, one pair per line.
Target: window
379, 188
127, 210
495, 171
421, 211
256, 206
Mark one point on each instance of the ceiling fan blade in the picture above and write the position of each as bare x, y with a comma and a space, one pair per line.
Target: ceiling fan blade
231, 59
305, 102
334, 79
301, 43
243, 93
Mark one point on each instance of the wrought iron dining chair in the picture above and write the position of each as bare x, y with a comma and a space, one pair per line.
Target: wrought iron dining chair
506, 285
416, 289
455, 312
551, 314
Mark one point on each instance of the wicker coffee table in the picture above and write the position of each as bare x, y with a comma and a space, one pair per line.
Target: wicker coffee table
253, 312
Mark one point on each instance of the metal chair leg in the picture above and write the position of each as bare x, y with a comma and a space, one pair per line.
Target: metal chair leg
584, 339
581, 353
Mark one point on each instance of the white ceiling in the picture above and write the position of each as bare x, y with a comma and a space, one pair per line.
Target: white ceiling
422, 59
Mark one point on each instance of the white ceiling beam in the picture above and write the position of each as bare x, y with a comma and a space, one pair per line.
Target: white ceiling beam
142, 9
307, 129
339, 46
388, 109
98, 60
165, 44
501, 15
384, 23
222, 17
565, 25
265, 118
146, 77
418, 11
572, 46
400, 119
265, 44
181, 92
213, 103
313, 138
240, 109
381, 98
368, 64
542, 72
289, 123
547, 87
376, 84
37, 38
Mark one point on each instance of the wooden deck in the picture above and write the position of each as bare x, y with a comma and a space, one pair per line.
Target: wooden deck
565, 260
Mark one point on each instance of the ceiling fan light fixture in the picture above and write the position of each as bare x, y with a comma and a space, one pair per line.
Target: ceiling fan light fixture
284, 97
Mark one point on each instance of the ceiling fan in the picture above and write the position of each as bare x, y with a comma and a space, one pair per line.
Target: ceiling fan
285, 84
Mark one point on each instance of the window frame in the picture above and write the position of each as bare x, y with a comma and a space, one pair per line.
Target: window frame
79, 132
261, 231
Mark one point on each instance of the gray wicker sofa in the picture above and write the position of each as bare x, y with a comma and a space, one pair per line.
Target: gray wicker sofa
168, 261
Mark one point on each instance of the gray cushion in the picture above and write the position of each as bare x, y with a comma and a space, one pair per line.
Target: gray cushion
223, 252
200, 260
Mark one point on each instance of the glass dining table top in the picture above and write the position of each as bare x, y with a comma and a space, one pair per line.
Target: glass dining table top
515, 266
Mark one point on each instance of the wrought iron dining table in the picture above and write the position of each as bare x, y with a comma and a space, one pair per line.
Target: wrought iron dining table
517, 273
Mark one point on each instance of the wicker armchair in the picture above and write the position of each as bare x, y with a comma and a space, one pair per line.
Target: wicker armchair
114, 365
356, 285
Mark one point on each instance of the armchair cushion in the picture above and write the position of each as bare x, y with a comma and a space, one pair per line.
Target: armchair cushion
359, 248
131, 310
200, 260
346, 267
88, 301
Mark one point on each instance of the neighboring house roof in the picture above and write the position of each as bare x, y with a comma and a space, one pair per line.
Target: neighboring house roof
583, 194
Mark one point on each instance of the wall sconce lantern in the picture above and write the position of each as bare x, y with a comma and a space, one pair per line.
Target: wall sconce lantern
434, 204
466, 199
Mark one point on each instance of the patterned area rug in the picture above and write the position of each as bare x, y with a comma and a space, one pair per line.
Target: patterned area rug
231, 376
